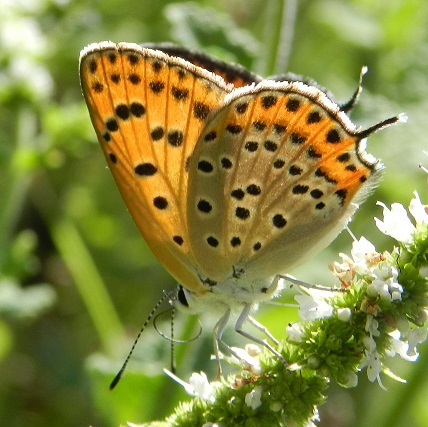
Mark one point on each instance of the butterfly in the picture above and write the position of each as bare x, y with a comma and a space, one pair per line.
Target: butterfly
232, 179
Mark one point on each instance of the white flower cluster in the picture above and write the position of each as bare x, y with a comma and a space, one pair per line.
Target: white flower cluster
253, 399
383, 283
23, 43
199, 386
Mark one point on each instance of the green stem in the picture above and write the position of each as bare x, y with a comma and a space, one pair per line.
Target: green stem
265, 63
17, 179
278, 35
88, 282
286, 34
82, 268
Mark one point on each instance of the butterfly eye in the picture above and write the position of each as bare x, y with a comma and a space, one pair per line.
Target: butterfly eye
181, 296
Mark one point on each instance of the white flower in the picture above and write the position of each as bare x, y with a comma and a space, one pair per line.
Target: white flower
403, 325
371, 327
418, 210
385, 283
253, 399
294, 333
407, 349
372, 360
374, 367
249, 358
396, 223
198, 385
369, 343
253, 350
344, 314
363, 254
400, 347
345, 271
415, 337
201, 387
312, 308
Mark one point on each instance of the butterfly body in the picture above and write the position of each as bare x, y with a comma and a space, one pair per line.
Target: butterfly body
230, 186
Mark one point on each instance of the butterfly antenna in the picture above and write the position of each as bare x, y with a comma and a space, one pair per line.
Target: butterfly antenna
355, 96
306, 285
118, 376
171, 337
173, 366
401, 118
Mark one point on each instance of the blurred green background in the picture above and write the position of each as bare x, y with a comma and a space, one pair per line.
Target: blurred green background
76, 278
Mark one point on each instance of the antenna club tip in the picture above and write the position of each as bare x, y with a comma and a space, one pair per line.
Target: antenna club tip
116, 379
402, 118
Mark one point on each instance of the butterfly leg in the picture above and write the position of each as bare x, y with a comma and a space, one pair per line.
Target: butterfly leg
263, 329
306, 285
219, 328
245, 315
218, 333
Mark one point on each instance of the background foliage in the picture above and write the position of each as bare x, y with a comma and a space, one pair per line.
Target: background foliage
76, 279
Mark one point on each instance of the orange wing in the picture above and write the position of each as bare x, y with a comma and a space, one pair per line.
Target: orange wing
148, 110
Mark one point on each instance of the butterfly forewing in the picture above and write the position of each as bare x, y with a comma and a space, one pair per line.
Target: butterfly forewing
148, 110
274, 181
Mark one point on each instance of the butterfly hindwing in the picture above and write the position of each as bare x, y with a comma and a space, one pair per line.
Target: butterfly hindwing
273, 178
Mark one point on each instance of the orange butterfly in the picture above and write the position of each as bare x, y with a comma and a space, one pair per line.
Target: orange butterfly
231, 179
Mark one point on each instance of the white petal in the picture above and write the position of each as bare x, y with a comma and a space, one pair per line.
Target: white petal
418, 210
344, 314
362, 253
294, 333
312, 308
396, 223
253, 399
201, 387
